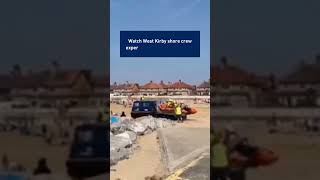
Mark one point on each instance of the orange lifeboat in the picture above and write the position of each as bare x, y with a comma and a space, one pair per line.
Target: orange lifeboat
261, 157
265, 157
170, 109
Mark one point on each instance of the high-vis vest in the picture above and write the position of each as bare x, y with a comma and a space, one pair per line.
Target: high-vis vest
219, 156
178, 110
104, 117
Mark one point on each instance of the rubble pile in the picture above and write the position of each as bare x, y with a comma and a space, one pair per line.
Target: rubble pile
124, 135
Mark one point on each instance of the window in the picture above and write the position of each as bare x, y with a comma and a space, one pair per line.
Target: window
145, 104
225, 86
85, 136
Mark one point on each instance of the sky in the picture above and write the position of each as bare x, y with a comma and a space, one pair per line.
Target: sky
158, 15
268, 35
34, 32
262, 36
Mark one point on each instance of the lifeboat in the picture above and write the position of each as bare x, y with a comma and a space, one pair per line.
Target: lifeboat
170, 109
265, 157
257, 157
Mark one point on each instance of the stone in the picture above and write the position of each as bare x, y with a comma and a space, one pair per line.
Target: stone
133, 136
138, 128
124, 135
119, 148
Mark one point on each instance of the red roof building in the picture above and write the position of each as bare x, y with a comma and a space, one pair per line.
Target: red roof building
232, 75
165, 86
180, 88
302, 86
100, 86
235, 86
49, 86
126, 89
203, 88
153, 88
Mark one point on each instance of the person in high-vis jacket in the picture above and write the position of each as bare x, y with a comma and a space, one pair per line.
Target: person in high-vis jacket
104, 116
170, 103
178, 112
219, 158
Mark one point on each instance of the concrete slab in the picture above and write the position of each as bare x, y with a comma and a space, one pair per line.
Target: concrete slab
200, 171
182, 145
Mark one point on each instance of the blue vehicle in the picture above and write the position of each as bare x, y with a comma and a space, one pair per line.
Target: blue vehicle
89, 151
144, 108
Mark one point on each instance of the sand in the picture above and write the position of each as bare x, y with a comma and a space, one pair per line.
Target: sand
147, 160
26, 151
299, 156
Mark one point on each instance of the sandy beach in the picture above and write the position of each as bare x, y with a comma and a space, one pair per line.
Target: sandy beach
298, 153
147, 160
26, 150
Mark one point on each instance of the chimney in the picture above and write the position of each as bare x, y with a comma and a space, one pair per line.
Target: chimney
318, 59
151, 81
224, 61
272, 81
16, 71
55, 68
180, 81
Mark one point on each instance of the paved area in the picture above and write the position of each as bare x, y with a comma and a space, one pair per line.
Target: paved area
183, 145
200, 171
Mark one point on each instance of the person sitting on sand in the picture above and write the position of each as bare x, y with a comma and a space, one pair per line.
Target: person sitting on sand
123, 114
42, 167
5, 162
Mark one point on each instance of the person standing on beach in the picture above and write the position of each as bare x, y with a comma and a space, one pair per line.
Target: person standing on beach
5, 162
123, 114
237, 168
219, 157
178, 112
42, 167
